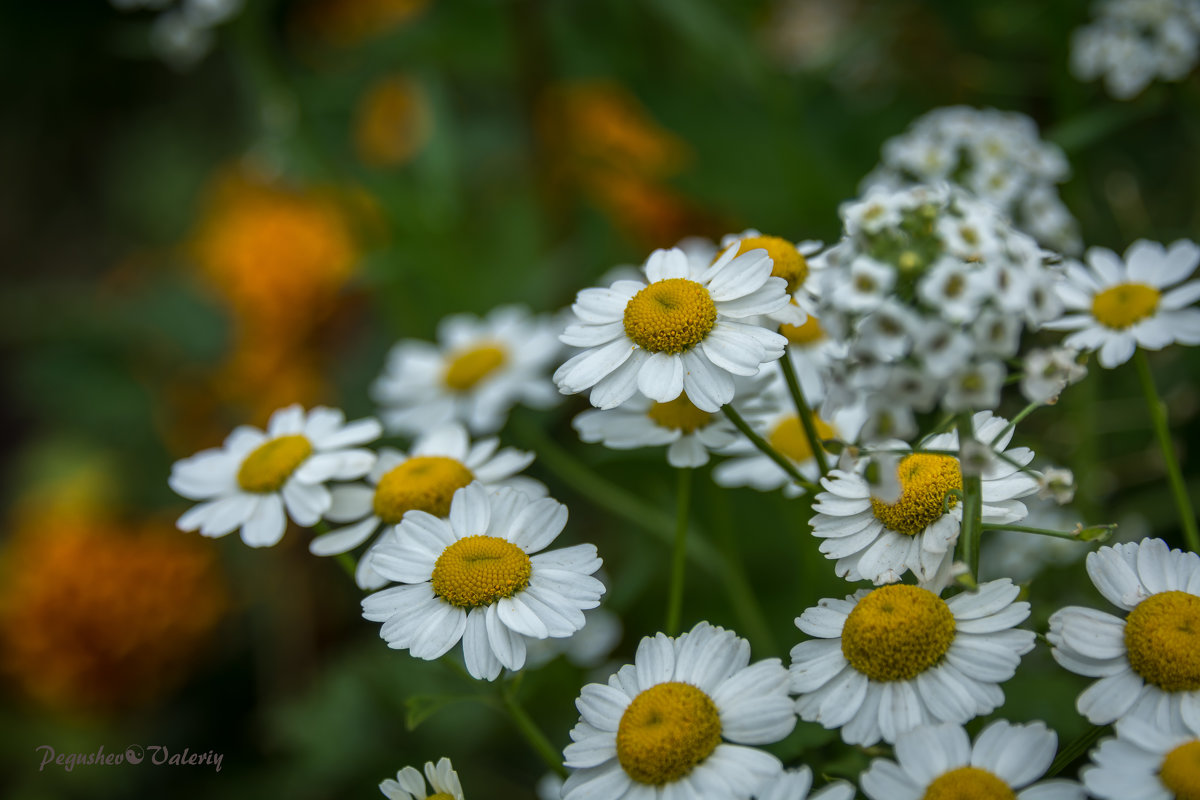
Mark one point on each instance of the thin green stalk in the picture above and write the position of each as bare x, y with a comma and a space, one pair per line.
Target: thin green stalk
1075, 749
347, 562
1025, 412
1092, 533
972, 522
806, 415
533, 734
1158, 418
767, 450
675, 593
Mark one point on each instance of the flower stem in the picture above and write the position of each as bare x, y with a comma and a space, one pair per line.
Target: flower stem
1158, 418
675, 593
767, 450
347, 562
1024, 412
532, 733
972, 524
806, 415
1092, 533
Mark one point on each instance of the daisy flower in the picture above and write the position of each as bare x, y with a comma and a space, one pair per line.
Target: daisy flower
939, 761
472, 577
795, 784
1116, 306
253, 477
788, 261
1149, 662
641, 422
1146, 761
681, 332
409, 785
479, 369
879, 541
677, 722
440, 463
887, 660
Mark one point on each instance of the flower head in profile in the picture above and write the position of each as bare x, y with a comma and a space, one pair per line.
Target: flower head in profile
681, 721
1146, 761
1148, 663
689, 433
885, 661
687, 329
476, 373
409, 785
479, 576
1115, 306
250, 480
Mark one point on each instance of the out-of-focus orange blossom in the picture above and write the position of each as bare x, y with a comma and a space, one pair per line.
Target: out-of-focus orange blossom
98, 615
393, 122
345, 23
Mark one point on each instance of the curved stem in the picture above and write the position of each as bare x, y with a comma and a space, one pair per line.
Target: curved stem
767, 450
972, 523
675, 593
1158, 418
533, 734
806, 415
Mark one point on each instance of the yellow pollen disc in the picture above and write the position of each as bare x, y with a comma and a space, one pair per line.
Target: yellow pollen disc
897, 632
808, 333
1125, 304
788, 437
968, 783
469, 367
441, 796
1162, 639
666, 731
788, 263
1180, 771
670, 316
680, 415
269, 466
925, 480
479, 570
426, 483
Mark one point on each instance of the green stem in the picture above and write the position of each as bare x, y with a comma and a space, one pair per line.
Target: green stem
1025, 412
1075, 749
972, 524
1079, 535
533, 734
770, 452
806, 415
675, 593
1158, 417
347, 562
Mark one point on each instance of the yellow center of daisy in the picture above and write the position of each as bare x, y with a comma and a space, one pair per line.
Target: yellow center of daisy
925, 482
479, 570
786, 259
1125, 304
808, 333
666, 731
269, 465
789, 438
968, 783
897, 632
441, 796
1180, 771
469, 367
679, 415
427, 483
670, 316
1162, 639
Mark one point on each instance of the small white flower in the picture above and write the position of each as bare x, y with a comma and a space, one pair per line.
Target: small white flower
253, 477
641, 422
1145, 761
940, 761
865, 286
953, 288
978, 386
1048, 372
409, 785
1058, 484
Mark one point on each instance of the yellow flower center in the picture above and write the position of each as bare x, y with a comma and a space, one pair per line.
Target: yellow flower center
469, 367
808, 333
666, 731
1180, 771
269, 466
680, 415
479, 570
426, 483
670, 316
925, 482
441, 796
787, 261
789, 438
1125, 304
1162, 638
968, 783
897, 632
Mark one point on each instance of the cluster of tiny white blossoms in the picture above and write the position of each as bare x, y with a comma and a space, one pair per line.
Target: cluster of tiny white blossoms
997, 156
930, 290
182, 34
1130, 43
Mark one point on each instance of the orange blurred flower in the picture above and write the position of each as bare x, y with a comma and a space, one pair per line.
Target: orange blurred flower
344, 23
99, 616
393, 122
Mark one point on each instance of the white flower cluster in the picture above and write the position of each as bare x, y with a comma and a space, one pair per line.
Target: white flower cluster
930, 289
1132, 42
997, 156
